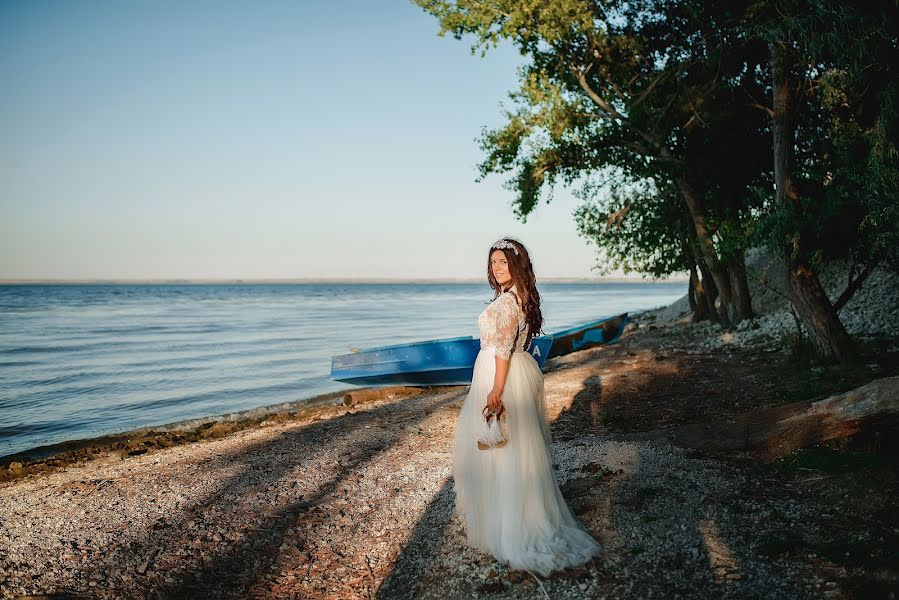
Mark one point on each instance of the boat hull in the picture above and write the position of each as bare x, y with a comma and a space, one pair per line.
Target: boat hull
597, 333
436, 362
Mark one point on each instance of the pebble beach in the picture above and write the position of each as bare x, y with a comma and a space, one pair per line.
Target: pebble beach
368, 512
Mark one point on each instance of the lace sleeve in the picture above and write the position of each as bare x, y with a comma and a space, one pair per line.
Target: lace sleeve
506, 319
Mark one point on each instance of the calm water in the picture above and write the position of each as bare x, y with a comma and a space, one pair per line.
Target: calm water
84, 360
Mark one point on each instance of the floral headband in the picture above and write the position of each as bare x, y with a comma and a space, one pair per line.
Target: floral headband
504, 243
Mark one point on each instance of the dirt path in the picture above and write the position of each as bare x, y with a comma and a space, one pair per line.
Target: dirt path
361, 506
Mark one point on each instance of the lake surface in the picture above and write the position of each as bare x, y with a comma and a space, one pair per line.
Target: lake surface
79, 361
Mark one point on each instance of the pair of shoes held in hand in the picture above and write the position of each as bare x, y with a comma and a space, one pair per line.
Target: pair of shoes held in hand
494, 432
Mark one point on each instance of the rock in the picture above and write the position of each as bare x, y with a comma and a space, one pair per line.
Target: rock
515, 576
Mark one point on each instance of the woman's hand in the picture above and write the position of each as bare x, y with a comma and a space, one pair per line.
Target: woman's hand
493, 398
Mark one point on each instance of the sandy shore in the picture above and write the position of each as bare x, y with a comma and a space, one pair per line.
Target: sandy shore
356, 502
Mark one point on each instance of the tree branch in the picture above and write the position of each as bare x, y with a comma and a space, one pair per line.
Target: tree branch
854, 286
766, 109
610, 110
645, 94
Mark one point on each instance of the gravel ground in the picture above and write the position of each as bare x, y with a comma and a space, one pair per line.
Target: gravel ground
360, 506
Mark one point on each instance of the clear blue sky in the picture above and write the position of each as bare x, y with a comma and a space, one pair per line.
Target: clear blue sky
254, 140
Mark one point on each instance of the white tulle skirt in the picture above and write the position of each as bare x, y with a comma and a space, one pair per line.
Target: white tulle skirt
509, 497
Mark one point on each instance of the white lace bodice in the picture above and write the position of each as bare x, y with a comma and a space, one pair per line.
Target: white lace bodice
499, 322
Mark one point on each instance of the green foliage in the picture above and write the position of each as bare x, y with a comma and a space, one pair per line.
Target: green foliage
847, 164
645, 90
618, 100
637, 227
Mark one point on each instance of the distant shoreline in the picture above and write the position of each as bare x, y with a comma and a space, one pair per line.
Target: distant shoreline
176, 281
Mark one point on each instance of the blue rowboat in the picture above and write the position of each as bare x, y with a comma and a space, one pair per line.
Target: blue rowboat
588, 335
448, 361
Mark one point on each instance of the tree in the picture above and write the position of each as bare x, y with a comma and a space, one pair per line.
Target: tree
834, 123
656, 102
618, 89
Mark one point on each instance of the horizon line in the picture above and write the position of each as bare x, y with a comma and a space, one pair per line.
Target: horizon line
320, 280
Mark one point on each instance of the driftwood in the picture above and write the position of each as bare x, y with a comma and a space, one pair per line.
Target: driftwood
364, 395
781, 430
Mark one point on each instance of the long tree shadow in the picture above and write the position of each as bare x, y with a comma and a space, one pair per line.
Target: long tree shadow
679, 524
690, 527
237, 568
407, 578
714, 549
689, 513
412, 572
232, 567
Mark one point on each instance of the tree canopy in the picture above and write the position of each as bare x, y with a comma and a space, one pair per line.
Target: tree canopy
661, 116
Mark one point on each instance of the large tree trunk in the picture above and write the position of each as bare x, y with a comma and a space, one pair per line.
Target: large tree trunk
824, 328
727, 313
702, 290
709, 291
736, 268
700, 303
817, 314
691, 290
694, 295
783, 429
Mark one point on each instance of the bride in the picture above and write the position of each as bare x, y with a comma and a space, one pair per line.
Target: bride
507, 495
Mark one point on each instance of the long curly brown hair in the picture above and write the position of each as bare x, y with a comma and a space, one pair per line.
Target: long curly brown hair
525, 282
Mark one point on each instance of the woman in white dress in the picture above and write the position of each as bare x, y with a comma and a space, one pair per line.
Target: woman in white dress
507, 496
